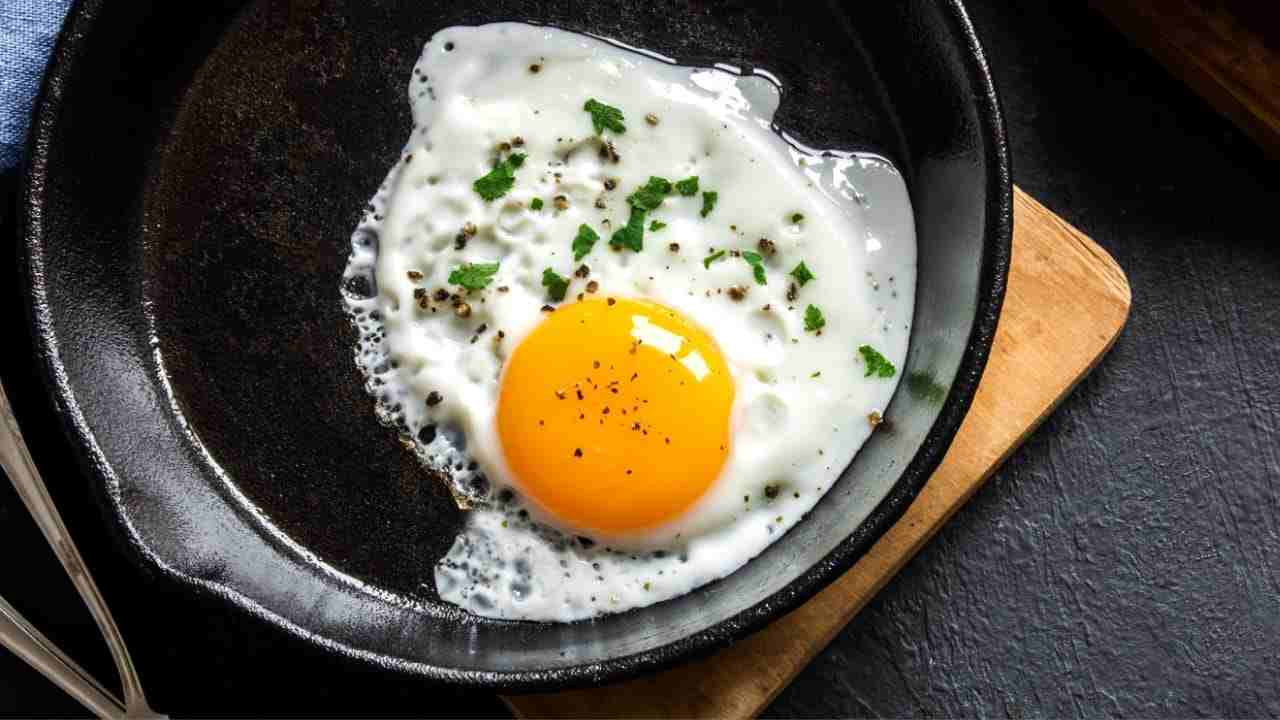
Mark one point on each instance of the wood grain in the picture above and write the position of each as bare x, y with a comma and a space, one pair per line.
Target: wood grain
1066, 303
1218, 49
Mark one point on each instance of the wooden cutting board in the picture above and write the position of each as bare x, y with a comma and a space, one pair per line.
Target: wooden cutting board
1067, 301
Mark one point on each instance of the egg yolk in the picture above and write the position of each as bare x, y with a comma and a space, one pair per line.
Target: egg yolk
614, 414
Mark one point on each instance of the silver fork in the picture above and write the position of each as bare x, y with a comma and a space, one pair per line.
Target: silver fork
20, 636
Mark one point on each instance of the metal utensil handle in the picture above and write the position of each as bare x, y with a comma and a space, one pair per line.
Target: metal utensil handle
31, 645
17, 463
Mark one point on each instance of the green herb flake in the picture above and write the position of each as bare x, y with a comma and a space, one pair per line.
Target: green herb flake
584, 241
535, 204
651, 195
499, 180
631, 236
801, 274
709, 199
706, 262
473, 276
688, 187
813, 319
656, 225
557, 285
604, 117
797, 218
923, 387
877, 364
757, 265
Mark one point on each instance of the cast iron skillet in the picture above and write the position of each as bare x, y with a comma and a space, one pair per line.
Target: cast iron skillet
190, 195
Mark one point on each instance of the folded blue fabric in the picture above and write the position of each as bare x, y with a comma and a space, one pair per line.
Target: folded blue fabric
28, 29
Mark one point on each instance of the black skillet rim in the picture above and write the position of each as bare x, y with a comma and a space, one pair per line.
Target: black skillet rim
997, 242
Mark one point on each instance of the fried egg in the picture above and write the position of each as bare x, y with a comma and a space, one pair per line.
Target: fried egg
637, 330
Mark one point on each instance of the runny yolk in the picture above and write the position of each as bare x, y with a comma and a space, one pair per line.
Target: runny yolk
614, 414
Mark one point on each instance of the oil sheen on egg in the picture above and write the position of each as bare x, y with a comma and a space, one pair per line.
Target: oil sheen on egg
705, 377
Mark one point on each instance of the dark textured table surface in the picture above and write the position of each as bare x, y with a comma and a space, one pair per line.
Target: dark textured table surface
1125, 561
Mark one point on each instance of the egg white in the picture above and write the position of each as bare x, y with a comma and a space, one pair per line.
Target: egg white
801, 399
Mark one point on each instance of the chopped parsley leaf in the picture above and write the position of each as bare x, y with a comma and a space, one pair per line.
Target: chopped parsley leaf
709, 199
604, 117
797, 218
922, 386
801, 274
813, 319
535, 204
876, 363
499, 180
757, 265
473, 276
651, 195
688, 187
630, 236
706, 262
557, 285
585, 240
656, 225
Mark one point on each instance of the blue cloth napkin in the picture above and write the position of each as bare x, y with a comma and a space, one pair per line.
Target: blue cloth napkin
28, 29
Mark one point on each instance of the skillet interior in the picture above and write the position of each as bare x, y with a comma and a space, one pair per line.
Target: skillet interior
190, 197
